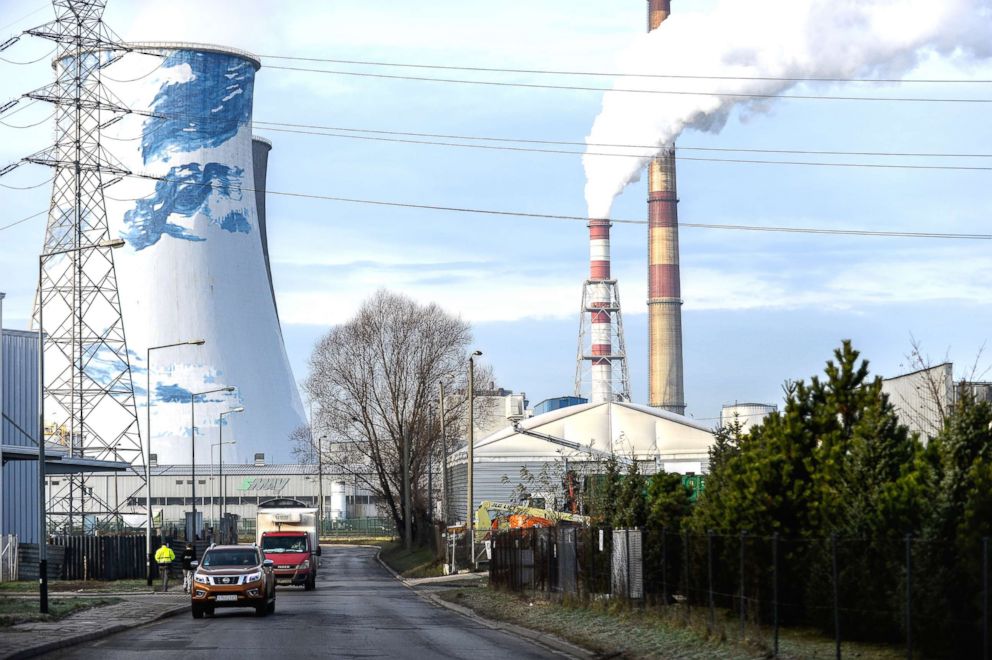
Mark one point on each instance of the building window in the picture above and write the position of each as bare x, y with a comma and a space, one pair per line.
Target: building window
179, 482
203, 482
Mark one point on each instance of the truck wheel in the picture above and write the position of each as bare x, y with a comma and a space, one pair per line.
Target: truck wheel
272, 607
261, 610
197, 611
311, 583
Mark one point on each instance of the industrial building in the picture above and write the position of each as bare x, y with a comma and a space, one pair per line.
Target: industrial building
238, 488
19, 447
581, 437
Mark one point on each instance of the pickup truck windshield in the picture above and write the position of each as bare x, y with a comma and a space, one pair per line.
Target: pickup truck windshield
214, 558
273, 544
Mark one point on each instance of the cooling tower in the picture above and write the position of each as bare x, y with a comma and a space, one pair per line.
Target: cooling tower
195, 265
260, 148
665, 370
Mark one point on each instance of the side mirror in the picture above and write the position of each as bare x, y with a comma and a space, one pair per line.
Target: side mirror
195, 564
268, 563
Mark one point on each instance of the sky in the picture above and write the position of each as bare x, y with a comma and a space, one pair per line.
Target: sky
760, 307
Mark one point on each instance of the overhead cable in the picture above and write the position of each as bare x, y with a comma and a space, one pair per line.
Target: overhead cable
617, 155
555, 216
497, 83
674, 76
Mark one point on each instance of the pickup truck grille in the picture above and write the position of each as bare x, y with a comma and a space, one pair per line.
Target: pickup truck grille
227, 579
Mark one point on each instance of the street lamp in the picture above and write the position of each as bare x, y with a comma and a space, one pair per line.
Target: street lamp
42, 521
148, 452
320, 482
470, 467
192, 430
220, 457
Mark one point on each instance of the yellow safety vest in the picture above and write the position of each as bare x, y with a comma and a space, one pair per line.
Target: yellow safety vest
164, 555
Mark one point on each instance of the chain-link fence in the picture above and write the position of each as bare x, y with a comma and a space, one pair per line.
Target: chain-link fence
930, 597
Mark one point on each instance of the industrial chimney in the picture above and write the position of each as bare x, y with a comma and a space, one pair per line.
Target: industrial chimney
665, 378
600, 311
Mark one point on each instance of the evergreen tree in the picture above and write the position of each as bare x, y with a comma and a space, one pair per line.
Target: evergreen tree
631, 508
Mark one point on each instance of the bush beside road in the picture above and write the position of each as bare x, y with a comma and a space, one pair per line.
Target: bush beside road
87, 586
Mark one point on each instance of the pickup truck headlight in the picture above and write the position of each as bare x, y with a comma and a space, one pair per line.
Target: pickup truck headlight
305, 564
254, 577
202, 579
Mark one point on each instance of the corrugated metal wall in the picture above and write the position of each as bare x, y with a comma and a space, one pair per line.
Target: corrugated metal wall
20, 417
489, 483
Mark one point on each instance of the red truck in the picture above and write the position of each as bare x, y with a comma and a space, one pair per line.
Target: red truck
286, 531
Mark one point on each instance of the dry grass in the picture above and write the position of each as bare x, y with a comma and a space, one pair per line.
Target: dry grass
615, 630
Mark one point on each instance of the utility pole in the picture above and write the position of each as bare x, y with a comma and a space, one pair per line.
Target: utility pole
407, 523
470, 463
444, 461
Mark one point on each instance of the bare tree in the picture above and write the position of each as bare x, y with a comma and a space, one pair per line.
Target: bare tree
376, 378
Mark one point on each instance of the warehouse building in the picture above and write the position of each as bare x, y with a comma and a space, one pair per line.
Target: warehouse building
579, 438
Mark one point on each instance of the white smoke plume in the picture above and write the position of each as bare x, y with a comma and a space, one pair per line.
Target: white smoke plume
764, 38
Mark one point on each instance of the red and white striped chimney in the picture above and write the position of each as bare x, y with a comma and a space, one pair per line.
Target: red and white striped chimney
665, 369
602, 318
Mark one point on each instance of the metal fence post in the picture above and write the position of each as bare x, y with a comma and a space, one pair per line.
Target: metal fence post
775, 594
985, 598
836, 580
709, 570
664, 565
685, 571
742, 583
909, 597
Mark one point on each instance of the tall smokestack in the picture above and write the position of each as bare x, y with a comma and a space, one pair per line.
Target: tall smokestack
665, 378
600, 317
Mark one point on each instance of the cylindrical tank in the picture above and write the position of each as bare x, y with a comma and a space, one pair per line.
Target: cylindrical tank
339, 501
194, 266
748, 414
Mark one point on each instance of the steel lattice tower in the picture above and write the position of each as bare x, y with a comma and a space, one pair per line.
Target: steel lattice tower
89, 394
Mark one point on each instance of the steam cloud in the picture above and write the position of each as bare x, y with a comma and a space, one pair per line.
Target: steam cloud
764, 38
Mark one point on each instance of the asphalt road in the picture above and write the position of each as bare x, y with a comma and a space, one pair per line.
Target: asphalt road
357, 611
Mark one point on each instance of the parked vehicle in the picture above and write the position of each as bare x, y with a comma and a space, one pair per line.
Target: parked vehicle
233, 576
286, 531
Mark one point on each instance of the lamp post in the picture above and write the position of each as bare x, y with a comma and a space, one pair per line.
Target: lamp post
192, 430
2, 296
149, 560
320, 484
470, 466
220, 457
42, 521
444, 460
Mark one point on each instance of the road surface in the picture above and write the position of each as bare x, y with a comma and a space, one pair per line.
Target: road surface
357, 611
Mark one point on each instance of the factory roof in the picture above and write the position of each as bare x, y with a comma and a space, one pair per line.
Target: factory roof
245, 469
594, 430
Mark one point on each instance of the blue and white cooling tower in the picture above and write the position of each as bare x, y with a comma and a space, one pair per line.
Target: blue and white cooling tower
195, 265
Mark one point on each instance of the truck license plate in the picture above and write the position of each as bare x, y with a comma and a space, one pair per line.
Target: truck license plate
223, 597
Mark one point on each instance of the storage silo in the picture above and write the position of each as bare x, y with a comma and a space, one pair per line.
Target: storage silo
747, 414
195, 262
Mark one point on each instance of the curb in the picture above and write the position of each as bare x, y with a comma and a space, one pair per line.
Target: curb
544, 640
82, 638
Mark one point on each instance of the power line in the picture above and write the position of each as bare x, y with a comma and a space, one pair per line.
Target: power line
23, 220
646, 155
555, 216
680, 147
46, 55
450, 67
805, 97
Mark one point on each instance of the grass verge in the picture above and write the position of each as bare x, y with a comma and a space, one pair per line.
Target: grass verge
72, 586
616, 631
21, 610
416, 563
357, 540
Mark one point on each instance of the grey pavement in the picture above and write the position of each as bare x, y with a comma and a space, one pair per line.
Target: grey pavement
358, 611
133, 609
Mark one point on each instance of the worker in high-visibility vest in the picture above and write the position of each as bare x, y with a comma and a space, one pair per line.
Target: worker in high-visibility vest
163, 557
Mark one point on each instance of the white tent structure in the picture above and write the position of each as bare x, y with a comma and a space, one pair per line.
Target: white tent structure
583, 434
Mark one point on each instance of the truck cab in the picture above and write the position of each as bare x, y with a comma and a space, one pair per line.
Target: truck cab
287, 532
293, 557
